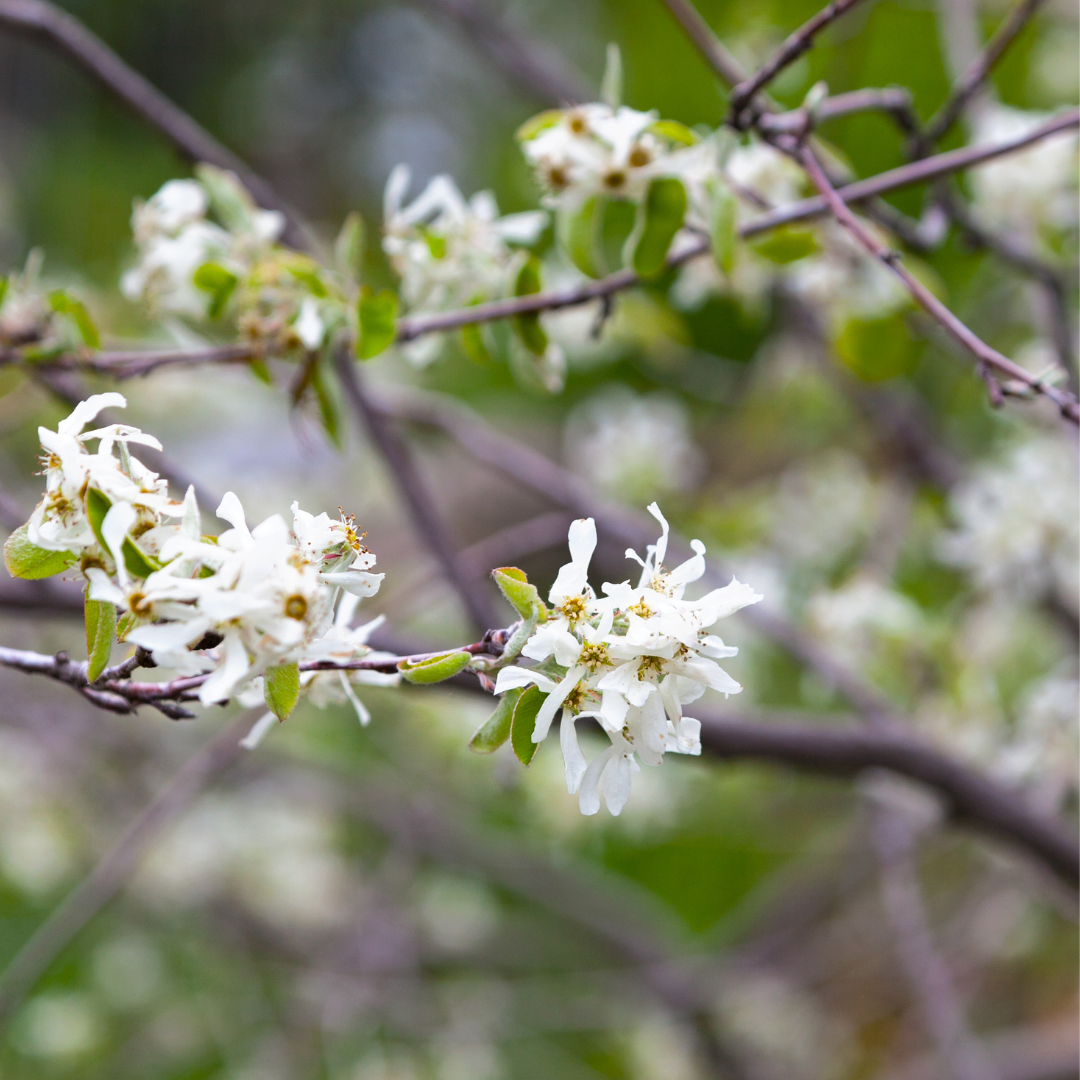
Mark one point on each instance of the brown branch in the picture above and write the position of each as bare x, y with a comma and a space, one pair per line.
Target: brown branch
931, 983
977, 74
536, 69
117, 865
796, 44
894, 101
708, 44
54, 27
987, 357
425, 518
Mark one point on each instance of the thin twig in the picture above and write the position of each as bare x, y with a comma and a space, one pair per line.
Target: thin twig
538, 70
987, 357
708, 44
976, 75
117, 865
63, 32
796, 44
922, 964
425, 518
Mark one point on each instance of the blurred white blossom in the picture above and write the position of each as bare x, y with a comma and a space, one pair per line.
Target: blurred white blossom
633, 446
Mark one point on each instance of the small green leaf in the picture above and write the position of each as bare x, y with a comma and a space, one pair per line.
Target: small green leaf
676, 132
282, 689
436, 244
97, 506
328, 411
522, 596
138, 563
308, 273
611, 86
876, 349
127, 622
260, 371
3, 288
523, 723
528, 326
723, 232
24, 559
229, 199
435, 668
472, 341
349, 247
786, 244
659, 219
65, 304
540, 122
219, 283
579, 234
496, 729
100, 634
378, 321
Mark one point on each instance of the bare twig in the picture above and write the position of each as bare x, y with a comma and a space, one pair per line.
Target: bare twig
921, 962
535, 68
63, 32
796, 44
894, 101
117, 865
989, 359
976, 75
708, 44
425, 518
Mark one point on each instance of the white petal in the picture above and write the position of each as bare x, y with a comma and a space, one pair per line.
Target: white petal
549, 639
690, 570
361, 709
230, 510
509, 678
261, 728
357, 582
166, 637
118, 520
661, 544
573, 758
86, 410
574, 576
616, 780
553, 702
233, 670
102, 588
589, 794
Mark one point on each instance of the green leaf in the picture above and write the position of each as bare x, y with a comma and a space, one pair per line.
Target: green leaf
97, 506
378, 321
528, 326
786, 244
127, 622
282, 689
540, 122
676, 132
138, 563
472, 341
496, 729
24, 559
523, 597
219, 283
876, 349
229, 199
308, 272
436, 244
611, 86
65, 304
349, 247
523, 723
659, 219
723, 232
100, 634
327, 405
435, 668
579, 234
260, 371
3, 288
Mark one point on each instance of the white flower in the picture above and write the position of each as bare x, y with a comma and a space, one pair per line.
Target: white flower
1018, 522
631, 659
633, 446
449, 252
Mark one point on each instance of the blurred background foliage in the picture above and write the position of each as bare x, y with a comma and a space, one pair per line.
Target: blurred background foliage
378, 904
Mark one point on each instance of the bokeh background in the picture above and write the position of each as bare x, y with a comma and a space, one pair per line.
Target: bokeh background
378, 904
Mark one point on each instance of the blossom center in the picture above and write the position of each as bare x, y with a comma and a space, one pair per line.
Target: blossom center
296, 606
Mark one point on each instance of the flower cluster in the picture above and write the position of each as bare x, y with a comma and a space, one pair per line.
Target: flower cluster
206, 250
234, 607
614, 152
631, 658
